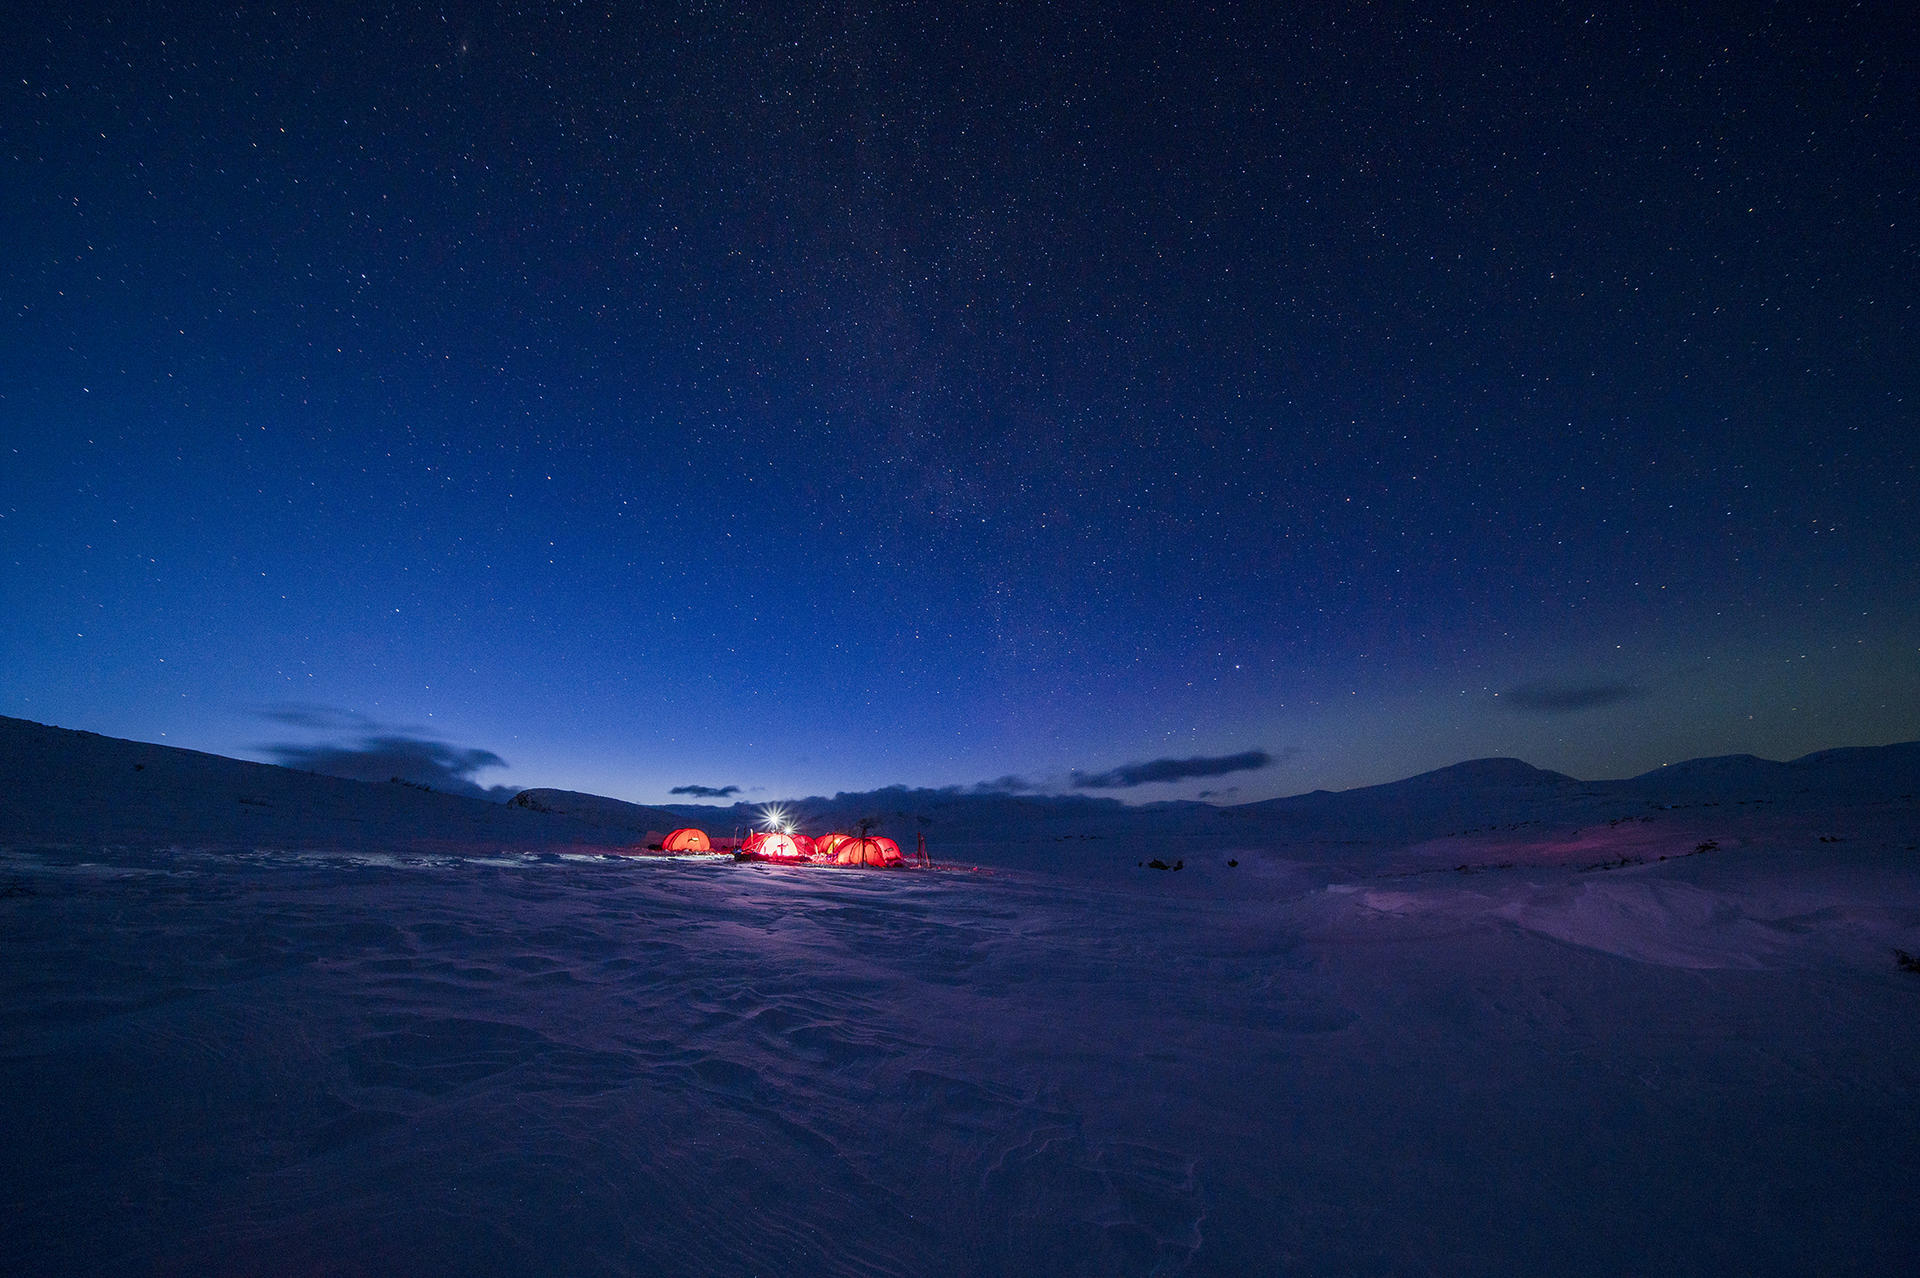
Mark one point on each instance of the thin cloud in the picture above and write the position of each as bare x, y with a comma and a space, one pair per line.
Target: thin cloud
437, 765
1570, 696
1160, 771
320, 718
706, 791
1008, 784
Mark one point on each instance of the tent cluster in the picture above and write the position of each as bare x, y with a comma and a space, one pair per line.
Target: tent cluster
797, 849
852, 849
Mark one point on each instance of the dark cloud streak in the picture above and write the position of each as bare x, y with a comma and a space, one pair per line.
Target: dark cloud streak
1570, 696
706, 791
1160, 771
437, 765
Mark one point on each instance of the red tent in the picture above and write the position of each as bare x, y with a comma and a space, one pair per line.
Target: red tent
829, 844
688, 840
868, 851
771, 845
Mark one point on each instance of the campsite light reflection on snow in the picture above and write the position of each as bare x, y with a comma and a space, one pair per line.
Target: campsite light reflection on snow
599, 1065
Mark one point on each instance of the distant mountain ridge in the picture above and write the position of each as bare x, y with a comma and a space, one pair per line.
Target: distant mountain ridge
75, 787
1475, 793
1489, 772
1888, 769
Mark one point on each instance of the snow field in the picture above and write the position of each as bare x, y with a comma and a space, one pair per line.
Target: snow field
339, 1064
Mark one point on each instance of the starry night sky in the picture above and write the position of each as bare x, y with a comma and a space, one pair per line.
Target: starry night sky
628, 397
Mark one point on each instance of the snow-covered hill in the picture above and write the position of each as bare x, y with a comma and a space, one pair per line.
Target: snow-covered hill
631, 820
78, 788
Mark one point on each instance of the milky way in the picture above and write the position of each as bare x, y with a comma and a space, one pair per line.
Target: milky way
935, 393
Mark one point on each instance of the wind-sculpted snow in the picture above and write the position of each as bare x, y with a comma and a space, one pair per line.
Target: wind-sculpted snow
513, 1064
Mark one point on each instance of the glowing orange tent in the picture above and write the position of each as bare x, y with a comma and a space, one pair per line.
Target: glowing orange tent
829, 844
773, 846
868, 851
688, 840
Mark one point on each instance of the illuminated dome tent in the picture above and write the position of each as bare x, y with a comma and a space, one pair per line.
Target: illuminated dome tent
868, 851
829, 845
687, 840
773, 845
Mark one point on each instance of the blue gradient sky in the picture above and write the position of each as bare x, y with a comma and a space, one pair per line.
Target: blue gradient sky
944, 393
